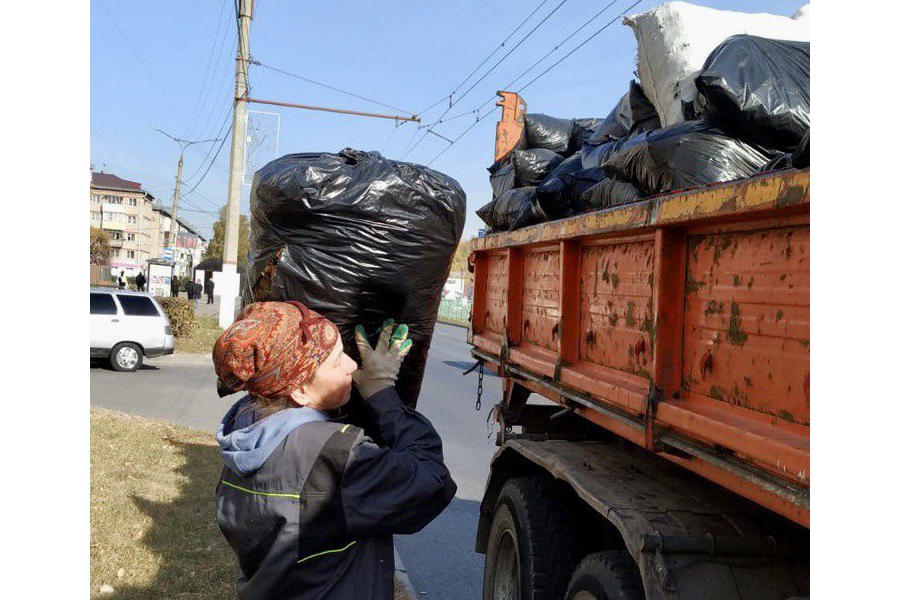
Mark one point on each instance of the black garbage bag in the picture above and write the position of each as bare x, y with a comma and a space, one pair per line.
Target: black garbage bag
532, 166
684, 155
358, 238
593, 156
782, 160
633, 114
800, 158
512, 210
563, 195
503, 176
550, 133
571, 164
582, 130
757, 90
611, 192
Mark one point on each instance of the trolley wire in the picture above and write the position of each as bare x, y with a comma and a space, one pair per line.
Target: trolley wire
331, 87
214, 59
486, 73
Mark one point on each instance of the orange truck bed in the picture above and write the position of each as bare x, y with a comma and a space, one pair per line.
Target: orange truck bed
680, 323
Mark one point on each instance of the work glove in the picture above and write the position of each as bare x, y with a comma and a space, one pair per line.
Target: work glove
379, 367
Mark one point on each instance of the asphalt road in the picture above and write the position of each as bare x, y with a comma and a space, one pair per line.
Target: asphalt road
440, 559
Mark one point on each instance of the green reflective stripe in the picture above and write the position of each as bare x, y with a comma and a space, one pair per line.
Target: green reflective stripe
345, 428
311, 556
272, 494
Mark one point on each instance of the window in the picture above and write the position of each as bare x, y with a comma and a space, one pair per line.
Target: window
138, 306
114, 199
95, 217
129, 237
102, 304
132, 202
115, 235
95, 199
132, 219
131, 254
114, 253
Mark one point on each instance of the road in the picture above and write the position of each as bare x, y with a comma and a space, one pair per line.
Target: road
440, 559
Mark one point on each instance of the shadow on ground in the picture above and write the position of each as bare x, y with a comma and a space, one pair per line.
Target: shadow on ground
195, 560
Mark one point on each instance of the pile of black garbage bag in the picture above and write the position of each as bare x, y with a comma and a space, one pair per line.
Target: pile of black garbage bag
358, 238
751, 115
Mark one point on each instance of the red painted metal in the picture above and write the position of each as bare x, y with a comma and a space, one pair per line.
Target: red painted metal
686, 315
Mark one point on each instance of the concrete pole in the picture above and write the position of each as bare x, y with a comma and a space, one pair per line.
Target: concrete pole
173, 228
226, 286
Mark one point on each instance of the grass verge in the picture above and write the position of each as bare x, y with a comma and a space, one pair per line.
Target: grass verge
201, 339
153, 527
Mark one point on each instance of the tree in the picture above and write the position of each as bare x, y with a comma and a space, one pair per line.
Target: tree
216, 247
459, 266
99, 247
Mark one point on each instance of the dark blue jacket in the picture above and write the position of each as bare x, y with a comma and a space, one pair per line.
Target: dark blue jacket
315, 518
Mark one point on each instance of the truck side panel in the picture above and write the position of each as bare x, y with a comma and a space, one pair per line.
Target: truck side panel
685, 318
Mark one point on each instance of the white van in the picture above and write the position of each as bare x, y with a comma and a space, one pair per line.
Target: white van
127, 326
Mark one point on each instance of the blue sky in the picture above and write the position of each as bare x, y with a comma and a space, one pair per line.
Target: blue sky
171, 70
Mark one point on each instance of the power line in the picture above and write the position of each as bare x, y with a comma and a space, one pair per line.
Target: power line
208, 167
330, 87
576, 48
214, 59
486, 58
556, 47
460, 136
489, 71
143, 64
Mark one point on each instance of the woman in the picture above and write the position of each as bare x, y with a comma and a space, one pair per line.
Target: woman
309, 504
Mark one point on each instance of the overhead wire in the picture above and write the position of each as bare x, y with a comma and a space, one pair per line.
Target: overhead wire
331, 87
489, 71
544, 72
137, 55
214, 59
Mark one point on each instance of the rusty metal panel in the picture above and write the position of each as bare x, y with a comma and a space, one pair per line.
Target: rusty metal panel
782, 193
541, 293
617, 306
495, 309
746, 320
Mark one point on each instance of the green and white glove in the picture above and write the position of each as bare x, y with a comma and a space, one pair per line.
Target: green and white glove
379, 367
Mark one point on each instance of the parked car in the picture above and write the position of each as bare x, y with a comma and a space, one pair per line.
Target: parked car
127, 326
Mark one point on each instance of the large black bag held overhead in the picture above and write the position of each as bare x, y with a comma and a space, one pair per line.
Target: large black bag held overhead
757, 89
358, 238
688, 154
550, 133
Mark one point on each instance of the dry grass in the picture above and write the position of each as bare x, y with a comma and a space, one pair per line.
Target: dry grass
205, 332
153, 526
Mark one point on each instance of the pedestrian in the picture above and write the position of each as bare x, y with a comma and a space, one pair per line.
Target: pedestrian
122, 282
308, 503
174, 286
196, 291
208, 288
140, 280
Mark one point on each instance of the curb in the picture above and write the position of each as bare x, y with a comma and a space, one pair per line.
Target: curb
463, 324
403, 589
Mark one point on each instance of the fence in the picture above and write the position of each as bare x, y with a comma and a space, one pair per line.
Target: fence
455, 311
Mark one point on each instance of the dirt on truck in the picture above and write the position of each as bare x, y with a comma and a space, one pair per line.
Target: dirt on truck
673, 336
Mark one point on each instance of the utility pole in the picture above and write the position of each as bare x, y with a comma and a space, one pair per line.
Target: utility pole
228, 283
172, 234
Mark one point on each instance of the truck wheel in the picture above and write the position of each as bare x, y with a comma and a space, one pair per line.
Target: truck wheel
531, 547
126, 357
606, 576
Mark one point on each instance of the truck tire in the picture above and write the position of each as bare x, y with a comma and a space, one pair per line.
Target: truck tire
606, 576
532, 547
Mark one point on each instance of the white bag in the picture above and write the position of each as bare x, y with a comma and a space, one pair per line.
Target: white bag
675, 39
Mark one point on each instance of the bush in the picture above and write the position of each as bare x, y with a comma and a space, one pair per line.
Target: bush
180, 312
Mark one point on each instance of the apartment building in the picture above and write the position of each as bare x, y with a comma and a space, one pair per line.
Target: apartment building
125, 211
140, 229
